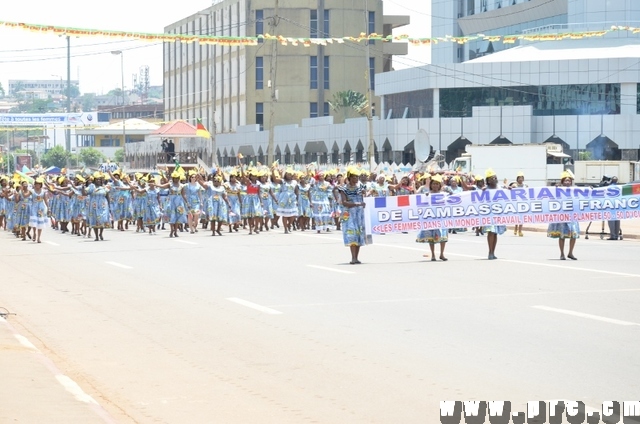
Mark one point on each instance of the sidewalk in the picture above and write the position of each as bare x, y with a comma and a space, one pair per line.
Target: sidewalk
630, 229
33, 390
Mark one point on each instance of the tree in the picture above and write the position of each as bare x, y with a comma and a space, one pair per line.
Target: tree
88, 101
2, 93
349, 104
55, 157
90, 156
119, 156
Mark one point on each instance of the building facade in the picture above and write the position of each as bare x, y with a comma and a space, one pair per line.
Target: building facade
231, 86
40, 88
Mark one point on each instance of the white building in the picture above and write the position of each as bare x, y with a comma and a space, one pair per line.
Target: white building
40, 88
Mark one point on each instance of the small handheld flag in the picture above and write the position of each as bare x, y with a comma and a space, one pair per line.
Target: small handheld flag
201, 131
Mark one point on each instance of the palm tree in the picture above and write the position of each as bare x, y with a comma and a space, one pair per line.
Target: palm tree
349, 104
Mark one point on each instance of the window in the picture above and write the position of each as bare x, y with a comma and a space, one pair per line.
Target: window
372, 25
313, 110
109, 142
326, 73
325, 109
260, 23
314, 72
372, 73
325, 25
259, 73
260, 115
313, 23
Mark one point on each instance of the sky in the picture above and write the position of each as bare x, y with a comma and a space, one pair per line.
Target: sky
27, 55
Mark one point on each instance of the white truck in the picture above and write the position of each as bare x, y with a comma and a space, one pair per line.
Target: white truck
540, 163
591, 172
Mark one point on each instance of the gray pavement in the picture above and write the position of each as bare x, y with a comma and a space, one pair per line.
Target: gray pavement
201, 329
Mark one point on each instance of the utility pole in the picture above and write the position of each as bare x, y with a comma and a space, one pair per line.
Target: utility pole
68, 130
272, 79
372, 154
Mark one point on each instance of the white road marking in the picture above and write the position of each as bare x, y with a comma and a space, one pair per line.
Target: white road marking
25, 342
73, 388
425, 250
583, 315
51, 243
185, 242
119, 265
330, 269
254, 306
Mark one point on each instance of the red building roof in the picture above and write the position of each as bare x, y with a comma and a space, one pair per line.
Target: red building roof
176, 129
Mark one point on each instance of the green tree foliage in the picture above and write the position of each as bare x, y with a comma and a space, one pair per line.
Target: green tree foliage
55, 157
88, 101
91, 157
118, 157
349, 104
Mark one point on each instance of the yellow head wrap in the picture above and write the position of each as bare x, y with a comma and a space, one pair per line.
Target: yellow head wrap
489, 173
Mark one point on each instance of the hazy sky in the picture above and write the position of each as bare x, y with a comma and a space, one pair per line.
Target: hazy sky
26, 55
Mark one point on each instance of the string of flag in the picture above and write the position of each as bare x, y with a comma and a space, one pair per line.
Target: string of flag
303, 41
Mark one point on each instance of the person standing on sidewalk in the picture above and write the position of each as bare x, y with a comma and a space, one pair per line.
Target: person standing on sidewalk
614, 225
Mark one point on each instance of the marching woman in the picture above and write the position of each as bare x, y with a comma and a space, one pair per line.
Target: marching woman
336, 199
23, 215
192, 195
98, 214
436, 235
148, 204
163, 198
493, 231
217, 203
320, 193
120, 200
251, 204
233, 188
175, 210
4, 193
39, 205
519, 184
352, 198
268, 201
78, 206
565, 230
287, 200
304, 204
62, 212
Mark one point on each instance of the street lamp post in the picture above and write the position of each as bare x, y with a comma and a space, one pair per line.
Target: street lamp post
124, 131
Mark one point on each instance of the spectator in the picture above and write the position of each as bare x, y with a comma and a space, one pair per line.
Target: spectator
614, 225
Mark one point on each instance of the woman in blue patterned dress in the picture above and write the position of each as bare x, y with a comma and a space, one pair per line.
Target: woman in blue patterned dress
11, 208
23, 201
119, 200
251, 202
78, 206
62, 212
321, 192
4, 192
233, 188
434, 236
39, 205
176, 209
352, 194
98, 217
163, 197
218, 204
493, 231
192, 195
565, 230
304, 204
287, 200
268, 201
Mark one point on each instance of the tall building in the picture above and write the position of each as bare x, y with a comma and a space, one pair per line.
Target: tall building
231, 86
40, 88
458, 18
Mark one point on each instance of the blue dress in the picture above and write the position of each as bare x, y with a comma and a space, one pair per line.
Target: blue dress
353, 218
217, 209
497, 229
164, 203
151, 207
121, 205
176, 210
287, 202
23, 211
564, 230
304, 203
38, 218
233, 194
321, 194
98, 212
268, 208
192, 193
251, 204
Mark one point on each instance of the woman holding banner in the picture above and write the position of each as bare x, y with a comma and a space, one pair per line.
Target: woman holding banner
493, 231
565, 230
436, 235
352, 194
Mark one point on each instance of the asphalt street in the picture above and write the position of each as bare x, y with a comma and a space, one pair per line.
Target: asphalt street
276, 328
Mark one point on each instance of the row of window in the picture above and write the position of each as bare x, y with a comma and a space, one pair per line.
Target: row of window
314, 23
313, 72
313, 112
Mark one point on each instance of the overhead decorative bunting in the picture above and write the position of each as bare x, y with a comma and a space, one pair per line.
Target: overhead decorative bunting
305, 42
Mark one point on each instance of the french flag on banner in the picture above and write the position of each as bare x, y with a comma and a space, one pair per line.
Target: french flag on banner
401, 201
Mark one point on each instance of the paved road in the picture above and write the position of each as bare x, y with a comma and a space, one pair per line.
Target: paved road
281, 329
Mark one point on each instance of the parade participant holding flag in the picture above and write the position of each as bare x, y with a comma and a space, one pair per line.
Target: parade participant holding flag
493, 231
434, 236
352, 194
565, 230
